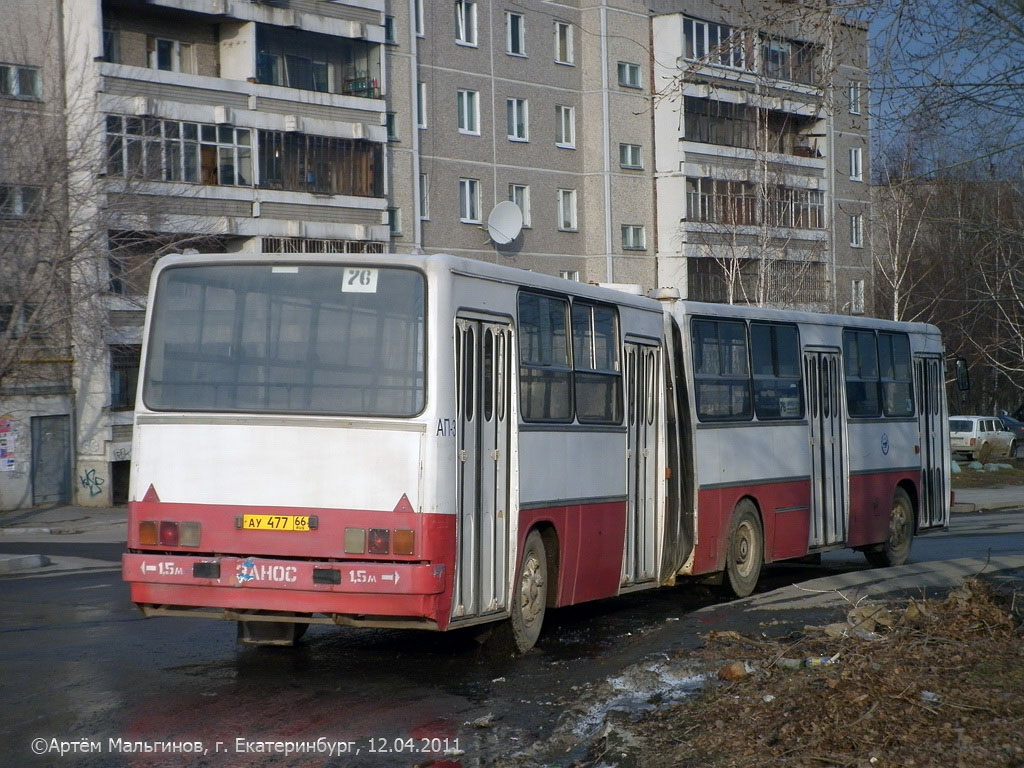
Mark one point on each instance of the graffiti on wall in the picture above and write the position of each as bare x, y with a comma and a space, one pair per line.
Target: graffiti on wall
92, 482
8, 453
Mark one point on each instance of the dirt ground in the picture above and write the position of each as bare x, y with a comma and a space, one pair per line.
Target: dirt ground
908, 684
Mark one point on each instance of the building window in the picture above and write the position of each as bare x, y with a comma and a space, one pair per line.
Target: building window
517, 115
854, 97
469, 201
20, 82
629, 75
856, 231
465, 22
631, 156
170, 55
322, 165
718, 201
567, 210
124, 375
395, 222
520, 195
389, 30
790, 60
468, 105
20, 202
569, 274
298, 60
390, 122
856, 297
633, 237
565, 126
856, 164
21, 321
424, 192
421, 105
563, 43
515, 34
418, 17
171, 150
714, 43
111, 45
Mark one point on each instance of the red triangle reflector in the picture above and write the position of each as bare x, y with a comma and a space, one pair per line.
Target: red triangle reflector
404, 505
151, 494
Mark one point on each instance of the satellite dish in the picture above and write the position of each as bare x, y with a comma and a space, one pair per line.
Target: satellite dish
505, 222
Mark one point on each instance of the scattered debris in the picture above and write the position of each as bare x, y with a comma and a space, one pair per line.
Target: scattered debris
951, 670
487, 721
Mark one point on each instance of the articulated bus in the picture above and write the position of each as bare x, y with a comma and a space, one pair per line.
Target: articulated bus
435, 442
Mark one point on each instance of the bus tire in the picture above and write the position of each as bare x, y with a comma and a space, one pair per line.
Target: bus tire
896, 548
745, 555
529, 599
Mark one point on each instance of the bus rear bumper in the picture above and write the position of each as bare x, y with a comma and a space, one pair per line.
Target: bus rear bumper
228, 587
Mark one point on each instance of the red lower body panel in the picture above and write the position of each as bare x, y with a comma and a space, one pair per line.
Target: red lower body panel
274, 570
380, 589
785, 515
591, 539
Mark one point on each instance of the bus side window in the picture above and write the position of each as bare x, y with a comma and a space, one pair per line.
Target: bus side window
721, 375
598, 377
775, 351
545, 375
896, 375
861, 368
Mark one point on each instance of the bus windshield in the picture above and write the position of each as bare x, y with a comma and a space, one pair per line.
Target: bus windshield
317, 339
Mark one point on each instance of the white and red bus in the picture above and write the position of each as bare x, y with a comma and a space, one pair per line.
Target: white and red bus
437, 442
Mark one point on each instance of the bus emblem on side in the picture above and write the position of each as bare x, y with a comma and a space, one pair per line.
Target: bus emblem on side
885, 444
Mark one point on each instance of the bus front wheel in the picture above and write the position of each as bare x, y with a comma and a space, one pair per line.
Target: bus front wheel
896, 549
746, 549
529, 599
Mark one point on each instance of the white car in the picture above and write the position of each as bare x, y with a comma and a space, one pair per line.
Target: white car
980, 437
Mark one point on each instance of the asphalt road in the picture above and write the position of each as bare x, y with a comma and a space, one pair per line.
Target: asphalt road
79, 662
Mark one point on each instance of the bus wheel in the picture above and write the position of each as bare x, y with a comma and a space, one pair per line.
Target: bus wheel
746, 549
529, 599
896, 549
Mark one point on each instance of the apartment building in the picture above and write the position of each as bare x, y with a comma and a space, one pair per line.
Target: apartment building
762, 163
716, 146
542, 103
253, 126
36, 394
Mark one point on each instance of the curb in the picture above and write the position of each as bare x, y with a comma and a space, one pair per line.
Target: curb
22, 562
962, 507
26, 531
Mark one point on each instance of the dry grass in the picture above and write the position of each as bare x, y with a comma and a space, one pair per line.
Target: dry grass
938, 683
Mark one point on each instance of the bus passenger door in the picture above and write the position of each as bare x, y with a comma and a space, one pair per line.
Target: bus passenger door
929, 378
643, 374
823, 382
483, 370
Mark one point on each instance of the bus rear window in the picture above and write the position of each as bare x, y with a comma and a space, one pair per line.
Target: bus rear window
325, 339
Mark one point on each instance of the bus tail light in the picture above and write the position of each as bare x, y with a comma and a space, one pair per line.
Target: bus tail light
148, 532
355, 541
379, 541
188, 535
168, 533
404, 542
